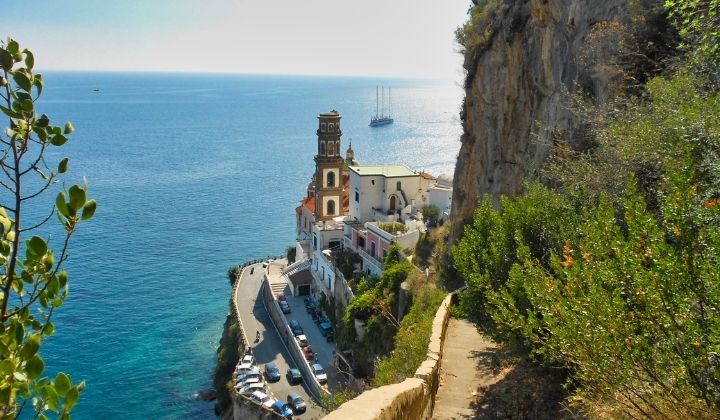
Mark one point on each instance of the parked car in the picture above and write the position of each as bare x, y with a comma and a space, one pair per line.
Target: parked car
296, 328
302, 340
244, 367
296, 402
252, 374
293, 376
282, 409
259, 397
308, 352
249, 389
248, 381
269, 402
285, 307
248, 358
319, 373
310, 304
272, 372
326, 328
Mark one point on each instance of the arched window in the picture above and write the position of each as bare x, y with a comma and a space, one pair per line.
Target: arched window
331, 149
322, 148
331, 207
331, 178
392, 203
399, 186
372, 249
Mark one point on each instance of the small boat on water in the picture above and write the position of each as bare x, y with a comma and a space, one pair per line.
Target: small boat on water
380, 118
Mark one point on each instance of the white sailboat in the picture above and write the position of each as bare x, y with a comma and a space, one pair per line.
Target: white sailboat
380, 118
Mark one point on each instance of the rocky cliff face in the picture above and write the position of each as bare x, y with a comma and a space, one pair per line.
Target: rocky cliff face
516, 92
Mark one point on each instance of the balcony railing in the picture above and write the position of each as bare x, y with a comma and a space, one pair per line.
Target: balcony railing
374, 261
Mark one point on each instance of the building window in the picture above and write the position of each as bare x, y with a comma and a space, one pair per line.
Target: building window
331, 178
357, 197
323, 127
384, 254
372, 181
331, 149
372, 249
399, 186
315, 243
331, 127
331, 207
322, 148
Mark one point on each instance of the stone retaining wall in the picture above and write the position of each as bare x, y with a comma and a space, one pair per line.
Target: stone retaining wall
414, 398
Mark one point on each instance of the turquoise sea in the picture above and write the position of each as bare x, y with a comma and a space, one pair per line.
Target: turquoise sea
194, 173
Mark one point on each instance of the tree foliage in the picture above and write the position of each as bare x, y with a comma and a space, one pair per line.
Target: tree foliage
617, 284
32, 282
699, 24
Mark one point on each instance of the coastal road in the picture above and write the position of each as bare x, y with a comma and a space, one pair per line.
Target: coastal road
254, 318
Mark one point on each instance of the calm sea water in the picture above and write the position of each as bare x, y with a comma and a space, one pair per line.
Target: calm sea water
193, 174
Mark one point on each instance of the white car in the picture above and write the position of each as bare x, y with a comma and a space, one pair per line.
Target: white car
259, 397
269, 402
244, 376
250, 389
249, 381
319, 373
244, 367
248, 358
302, 340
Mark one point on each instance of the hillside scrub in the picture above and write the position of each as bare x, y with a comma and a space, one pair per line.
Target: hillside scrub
617, 284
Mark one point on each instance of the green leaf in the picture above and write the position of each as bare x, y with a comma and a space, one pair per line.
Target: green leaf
6, 60
35, 366
29, 59
63, 278
6, 366
38, 83
68, 128
22, 80
19, 333
63, 166
31, 347
89, 210
77, 198
37, 246
51, 397
13, 47
43, 121
62, 384
58, 140
27, 105
49, 329
71, 398
10, 113
61, 204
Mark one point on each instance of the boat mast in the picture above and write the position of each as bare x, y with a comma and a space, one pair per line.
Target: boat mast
376, 101
382, 99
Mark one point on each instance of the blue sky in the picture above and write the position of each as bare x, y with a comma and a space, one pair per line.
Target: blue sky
341, 37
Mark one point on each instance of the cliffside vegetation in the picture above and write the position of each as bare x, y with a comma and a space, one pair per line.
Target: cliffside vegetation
608, 269
397, 320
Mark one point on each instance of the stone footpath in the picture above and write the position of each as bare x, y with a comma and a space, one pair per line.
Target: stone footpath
469, 364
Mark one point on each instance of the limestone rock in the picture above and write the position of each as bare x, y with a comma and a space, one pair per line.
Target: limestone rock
516, 91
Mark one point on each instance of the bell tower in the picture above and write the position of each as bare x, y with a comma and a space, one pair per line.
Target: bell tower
328, 168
